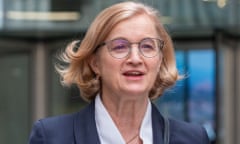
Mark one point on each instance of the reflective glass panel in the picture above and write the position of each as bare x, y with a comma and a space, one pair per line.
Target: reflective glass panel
172, 102
193, 98
14, 98
63, 100
202, 88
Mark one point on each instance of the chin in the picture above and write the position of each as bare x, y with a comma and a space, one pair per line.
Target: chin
136, 92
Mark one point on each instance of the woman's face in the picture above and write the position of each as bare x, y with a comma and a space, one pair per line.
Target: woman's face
133, 75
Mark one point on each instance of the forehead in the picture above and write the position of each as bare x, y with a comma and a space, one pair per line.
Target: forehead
134, 28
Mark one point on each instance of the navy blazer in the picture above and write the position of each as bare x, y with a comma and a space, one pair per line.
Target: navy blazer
80, 128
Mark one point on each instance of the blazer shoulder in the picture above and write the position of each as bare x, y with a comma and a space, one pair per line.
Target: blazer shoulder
56, 122
65, 121
52, 130
187, 133
62, 129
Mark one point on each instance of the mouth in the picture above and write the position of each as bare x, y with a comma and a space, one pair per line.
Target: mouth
133, 73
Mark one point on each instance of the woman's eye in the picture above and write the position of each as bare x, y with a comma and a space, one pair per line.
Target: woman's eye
119, 47
147, 46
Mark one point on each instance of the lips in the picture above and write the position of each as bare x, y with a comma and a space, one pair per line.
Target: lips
133, 73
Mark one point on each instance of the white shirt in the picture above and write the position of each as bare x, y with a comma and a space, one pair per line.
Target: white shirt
108, 131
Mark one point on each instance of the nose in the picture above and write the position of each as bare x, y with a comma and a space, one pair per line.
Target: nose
134, 56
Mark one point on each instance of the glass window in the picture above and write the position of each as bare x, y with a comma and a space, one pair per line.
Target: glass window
63, 99
172, 102
201, 86
193, 98
14, 98
1, 14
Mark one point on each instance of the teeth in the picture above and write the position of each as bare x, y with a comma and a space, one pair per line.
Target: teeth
134, 73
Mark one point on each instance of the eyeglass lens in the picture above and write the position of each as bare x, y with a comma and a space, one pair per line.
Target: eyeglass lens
120, 48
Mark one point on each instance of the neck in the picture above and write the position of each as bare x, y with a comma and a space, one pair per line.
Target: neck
125, 109
127, 114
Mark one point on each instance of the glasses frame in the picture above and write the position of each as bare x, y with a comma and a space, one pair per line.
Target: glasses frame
160, 47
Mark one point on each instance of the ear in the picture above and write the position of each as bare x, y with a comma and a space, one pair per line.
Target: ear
94, 64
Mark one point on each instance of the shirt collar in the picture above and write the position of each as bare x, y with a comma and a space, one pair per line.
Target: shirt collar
108, 131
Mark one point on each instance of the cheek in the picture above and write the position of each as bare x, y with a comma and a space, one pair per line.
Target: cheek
110, 73
155, 65
108, 65
155, 69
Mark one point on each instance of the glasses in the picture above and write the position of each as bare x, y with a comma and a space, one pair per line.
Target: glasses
120, 47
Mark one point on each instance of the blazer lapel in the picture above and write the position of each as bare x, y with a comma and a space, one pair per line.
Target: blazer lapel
158, 126
85, 130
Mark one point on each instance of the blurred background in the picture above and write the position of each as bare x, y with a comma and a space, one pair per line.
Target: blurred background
206, 35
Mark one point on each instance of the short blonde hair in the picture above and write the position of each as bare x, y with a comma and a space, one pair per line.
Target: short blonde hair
78, 70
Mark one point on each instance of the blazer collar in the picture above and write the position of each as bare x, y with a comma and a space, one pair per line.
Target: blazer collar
157, 125
85, 130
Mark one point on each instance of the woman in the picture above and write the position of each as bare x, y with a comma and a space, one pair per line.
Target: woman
125, 60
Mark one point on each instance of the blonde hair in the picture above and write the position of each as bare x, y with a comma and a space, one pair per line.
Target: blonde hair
78, 70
